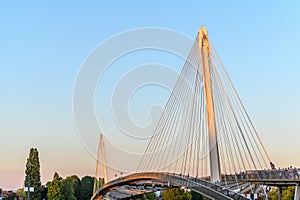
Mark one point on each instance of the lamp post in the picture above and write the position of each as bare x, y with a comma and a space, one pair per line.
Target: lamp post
28, 180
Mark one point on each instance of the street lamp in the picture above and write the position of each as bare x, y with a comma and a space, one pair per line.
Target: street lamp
28, 180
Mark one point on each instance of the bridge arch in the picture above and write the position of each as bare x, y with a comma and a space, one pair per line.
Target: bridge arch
203, 187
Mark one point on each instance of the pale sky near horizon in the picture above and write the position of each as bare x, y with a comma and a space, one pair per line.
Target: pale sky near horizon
43, 45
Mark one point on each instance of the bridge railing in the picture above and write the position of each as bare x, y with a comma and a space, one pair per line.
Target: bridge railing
196, 182
276, 174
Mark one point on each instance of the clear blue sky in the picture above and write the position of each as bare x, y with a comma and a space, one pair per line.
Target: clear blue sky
42, 45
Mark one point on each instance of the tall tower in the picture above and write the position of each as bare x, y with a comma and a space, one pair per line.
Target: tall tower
100, 158
204, 54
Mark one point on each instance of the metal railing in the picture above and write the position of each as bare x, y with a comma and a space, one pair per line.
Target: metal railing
274, 174
205, 187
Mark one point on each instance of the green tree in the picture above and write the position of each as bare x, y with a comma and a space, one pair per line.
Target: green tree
11, 196
196, 196
33, 168
86, 187
150, 196
48, 184
20, 192
273, 194
176, 194
287, 193
54, 190
76, 186
44, 192
188, 196
67, 189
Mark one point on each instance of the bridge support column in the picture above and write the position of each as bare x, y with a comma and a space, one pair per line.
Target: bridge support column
204, 50
297, 193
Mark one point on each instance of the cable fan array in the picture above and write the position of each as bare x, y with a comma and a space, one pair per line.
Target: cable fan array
180, 142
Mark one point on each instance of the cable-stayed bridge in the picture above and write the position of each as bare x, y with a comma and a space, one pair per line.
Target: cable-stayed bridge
204, 139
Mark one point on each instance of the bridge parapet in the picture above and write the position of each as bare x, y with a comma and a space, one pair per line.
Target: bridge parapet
274, 174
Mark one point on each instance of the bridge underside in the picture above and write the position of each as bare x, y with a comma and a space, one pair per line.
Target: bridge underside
126, 180
134, 187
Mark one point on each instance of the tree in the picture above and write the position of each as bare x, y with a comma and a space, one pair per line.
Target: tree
273, 194
67, 189
76, 186
86, 188
20, 193
44, 192
176, 194
48, 184
150, 196
54, 190
11, 196
196, 196
287, 193
33, 168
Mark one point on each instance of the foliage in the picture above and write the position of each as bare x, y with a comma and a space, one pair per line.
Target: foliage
273, 194
48, 184
196, 196
33, 167
287, 193
76, 186
86, 188
176, 194
44, 192
67, 189
150, 196
21, 193
54, 190
11, 196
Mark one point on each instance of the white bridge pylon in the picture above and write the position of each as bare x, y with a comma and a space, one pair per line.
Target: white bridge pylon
204, 52
204, 130
101, 167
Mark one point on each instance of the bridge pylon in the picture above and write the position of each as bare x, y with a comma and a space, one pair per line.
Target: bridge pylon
100, 158
204, 134
204, 53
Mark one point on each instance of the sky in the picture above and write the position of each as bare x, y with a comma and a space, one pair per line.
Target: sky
45, 43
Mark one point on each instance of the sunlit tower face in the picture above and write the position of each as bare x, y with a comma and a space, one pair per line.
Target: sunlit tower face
204, 54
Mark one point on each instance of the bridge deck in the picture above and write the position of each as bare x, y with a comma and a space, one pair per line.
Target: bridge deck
222, 190
204, 187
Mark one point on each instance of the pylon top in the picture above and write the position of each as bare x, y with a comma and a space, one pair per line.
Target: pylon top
203, 39
203, 31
